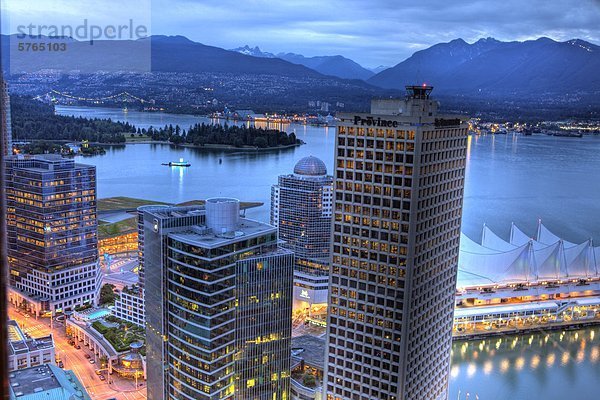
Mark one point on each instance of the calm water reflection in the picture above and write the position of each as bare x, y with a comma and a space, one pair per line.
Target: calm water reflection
553, 365
509, 179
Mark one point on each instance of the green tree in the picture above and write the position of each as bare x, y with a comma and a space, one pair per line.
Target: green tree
261, 142
107, 294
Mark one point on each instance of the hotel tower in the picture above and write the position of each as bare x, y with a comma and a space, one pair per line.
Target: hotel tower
398, 193
52, 233
301, 206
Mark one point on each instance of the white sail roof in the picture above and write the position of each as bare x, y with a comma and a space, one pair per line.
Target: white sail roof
523, 259
518, 237
487, 268
470, 246
550, 262
544, 235
491, 240
579, 261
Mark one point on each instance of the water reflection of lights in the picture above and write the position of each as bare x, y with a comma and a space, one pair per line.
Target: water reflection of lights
592, 334
520, 363
580, 356
469, 139
535, 361
488, 367
471, 369
565, 358
550, 359
504, 365
454, 371
595, 355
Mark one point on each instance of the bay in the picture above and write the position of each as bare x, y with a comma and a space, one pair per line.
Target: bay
509, 178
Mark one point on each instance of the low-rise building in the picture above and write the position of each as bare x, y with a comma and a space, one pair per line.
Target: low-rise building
25, 351
130, 306
308, 359
46, 382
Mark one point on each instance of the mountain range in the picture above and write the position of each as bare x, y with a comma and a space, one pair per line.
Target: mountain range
337, 66
487, 67
493, 67
157, 54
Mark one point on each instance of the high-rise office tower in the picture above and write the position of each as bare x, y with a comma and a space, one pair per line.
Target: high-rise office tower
218, 293
398, 200
301, 209
52, 233
5, 121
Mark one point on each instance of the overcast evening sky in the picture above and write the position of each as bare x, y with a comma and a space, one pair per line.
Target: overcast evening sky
371, 32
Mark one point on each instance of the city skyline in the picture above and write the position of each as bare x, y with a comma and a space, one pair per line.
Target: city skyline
328, 232
345, 28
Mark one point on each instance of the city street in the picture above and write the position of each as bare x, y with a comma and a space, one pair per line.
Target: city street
76, 361
122, 272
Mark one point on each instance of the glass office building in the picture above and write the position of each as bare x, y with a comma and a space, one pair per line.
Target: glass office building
218, 295
52, 233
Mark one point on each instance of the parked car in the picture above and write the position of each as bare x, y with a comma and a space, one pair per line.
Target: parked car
102, 378
92, 362
78, 347
61, 364
87, 355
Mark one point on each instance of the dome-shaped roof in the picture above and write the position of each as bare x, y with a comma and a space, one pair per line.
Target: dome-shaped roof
311, 166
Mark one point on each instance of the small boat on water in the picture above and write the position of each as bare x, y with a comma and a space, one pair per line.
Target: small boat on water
179, 163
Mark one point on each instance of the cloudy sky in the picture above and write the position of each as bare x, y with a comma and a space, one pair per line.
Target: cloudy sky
371, 32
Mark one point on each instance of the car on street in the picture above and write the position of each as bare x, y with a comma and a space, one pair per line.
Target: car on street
87, 356
102, 378
61, 364
78, 347
92, 362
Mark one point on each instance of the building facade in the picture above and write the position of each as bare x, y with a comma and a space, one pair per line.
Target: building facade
218, 293
52, 233
301, 209
131, 306
399, 182
5, 121
25, 352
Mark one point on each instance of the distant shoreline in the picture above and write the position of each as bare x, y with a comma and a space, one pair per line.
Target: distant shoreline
207, 146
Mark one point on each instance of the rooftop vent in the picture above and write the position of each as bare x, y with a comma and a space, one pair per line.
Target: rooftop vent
222, 214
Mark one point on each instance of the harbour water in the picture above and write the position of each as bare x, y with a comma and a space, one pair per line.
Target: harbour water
509, 179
